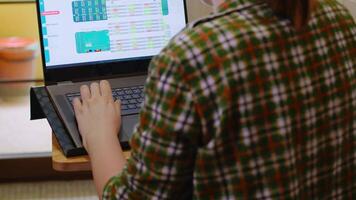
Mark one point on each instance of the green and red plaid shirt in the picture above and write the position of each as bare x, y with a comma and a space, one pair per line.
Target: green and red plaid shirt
241, 105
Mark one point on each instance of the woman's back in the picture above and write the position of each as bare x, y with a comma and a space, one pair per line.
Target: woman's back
278, 106
243, 105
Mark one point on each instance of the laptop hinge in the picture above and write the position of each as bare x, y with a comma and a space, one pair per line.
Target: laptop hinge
65, 83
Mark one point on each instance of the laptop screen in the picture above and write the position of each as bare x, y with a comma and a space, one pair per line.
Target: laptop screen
80, 32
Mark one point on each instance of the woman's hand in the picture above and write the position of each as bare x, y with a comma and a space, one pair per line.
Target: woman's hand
98, 116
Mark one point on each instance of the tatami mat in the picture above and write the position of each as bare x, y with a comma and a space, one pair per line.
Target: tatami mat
52, 190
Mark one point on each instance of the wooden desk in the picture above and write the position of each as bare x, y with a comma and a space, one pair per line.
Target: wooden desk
79, 163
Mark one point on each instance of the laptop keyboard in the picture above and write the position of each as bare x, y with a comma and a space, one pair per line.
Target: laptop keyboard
131, 99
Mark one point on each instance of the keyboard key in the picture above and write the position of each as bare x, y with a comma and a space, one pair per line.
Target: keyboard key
124, 107
128, 97
120, 92
132, 101
136, 96
120, 97
132, 106
128, 91
124, 102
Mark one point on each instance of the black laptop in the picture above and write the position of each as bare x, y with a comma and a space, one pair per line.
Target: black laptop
88, 40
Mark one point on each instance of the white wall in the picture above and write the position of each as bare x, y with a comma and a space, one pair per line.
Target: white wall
351, 5
196, 9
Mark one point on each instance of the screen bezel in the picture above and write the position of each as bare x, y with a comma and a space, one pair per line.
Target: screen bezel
92, 70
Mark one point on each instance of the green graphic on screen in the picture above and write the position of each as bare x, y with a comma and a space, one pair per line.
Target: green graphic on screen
89, 10
165, 10
94, 41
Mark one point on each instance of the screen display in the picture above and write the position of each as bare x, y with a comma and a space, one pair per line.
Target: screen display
83, 31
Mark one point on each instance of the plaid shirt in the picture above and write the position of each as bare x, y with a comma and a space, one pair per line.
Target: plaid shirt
241, 105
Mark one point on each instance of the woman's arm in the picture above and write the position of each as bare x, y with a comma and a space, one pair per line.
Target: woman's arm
107, 160
98, 118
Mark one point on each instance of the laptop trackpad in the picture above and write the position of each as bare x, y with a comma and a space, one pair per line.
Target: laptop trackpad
127, 126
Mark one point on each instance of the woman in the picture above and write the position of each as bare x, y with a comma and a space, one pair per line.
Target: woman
255, 101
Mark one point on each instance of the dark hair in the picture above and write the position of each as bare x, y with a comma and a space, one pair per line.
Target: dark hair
298, 11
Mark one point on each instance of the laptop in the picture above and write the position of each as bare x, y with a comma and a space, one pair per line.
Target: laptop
90, 40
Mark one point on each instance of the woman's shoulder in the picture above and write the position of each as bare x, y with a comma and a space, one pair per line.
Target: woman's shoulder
332, 8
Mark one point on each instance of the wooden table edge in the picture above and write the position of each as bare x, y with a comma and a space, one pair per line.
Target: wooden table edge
61, 163
79, 163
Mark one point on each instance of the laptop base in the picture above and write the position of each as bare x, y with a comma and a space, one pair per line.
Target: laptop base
42, 107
